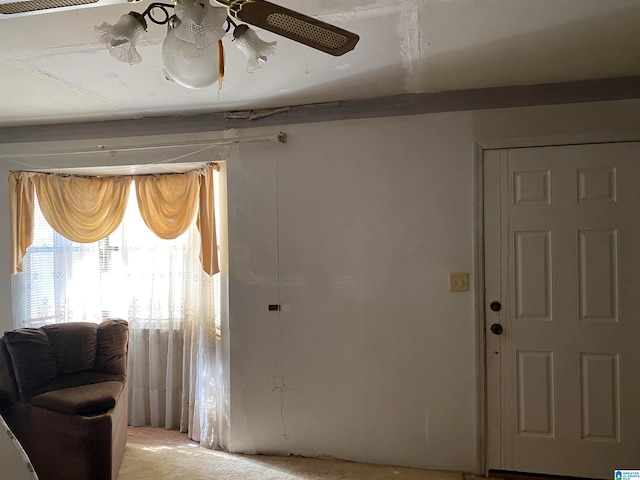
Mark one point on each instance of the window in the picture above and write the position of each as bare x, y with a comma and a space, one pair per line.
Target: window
131, 274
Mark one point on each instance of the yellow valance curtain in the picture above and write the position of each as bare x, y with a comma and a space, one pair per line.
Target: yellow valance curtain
87, 209
82, 209
168, 203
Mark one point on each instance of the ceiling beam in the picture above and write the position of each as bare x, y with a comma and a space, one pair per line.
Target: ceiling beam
581, 91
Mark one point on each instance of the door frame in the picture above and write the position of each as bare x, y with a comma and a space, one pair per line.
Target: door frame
480, 147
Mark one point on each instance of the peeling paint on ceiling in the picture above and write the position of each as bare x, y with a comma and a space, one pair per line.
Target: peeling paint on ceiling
53, 70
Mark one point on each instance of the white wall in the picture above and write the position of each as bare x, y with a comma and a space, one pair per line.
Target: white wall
378, 355
376, 352
371, 216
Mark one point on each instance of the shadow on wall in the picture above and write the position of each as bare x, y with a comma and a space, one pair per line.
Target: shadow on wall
597, 47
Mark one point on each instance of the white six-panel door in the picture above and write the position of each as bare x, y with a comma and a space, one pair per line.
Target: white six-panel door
562, 257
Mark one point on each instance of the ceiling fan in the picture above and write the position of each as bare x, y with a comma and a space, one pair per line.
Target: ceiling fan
260, 13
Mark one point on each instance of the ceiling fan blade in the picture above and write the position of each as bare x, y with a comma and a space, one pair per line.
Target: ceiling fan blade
20, 8
293, 25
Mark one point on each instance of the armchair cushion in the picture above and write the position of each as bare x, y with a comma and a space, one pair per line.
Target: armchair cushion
33, 361
82, 400
113, 338
74, 345
85, 377
49, 357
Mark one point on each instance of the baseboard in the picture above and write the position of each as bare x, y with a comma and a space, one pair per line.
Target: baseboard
508, 475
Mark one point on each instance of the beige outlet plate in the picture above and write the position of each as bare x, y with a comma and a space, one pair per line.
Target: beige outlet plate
458, 282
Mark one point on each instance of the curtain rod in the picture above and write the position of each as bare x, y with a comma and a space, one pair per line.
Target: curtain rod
69, 172
279, 137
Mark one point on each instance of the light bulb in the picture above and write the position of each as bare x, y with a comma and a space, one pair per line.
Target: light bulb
187, 65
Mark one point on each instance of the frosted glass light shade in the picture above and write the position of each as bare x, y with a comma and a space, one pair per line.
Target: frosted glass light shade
121, 39
256, 50
200, 23
187, 65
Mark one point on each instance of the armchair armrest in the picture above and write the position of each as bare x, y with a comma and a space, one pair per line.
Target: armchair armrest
8, 385
82, 400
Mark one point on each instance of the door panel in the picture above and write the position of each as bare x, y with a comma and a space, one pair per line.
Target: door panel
562, 255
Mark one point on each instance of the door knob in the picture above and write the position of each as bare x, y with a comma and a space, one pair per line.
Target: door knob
495, 306
496, 329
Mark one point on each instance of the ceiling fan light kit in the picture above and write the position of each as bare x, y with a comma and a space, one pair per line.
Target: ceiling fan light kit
192, 50
200, 23
121, 39
187, 64
255, 49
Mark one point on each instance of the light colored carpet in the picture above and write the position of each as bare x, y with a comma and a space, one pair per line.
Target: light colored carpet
158, 454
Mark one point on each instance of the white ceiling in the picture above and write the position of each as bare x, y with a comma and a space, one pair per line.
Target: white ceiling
52, 70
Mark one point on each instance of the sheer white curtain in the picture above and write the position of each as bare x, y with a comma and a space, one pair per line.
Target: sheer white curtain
171, 311
159, 286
